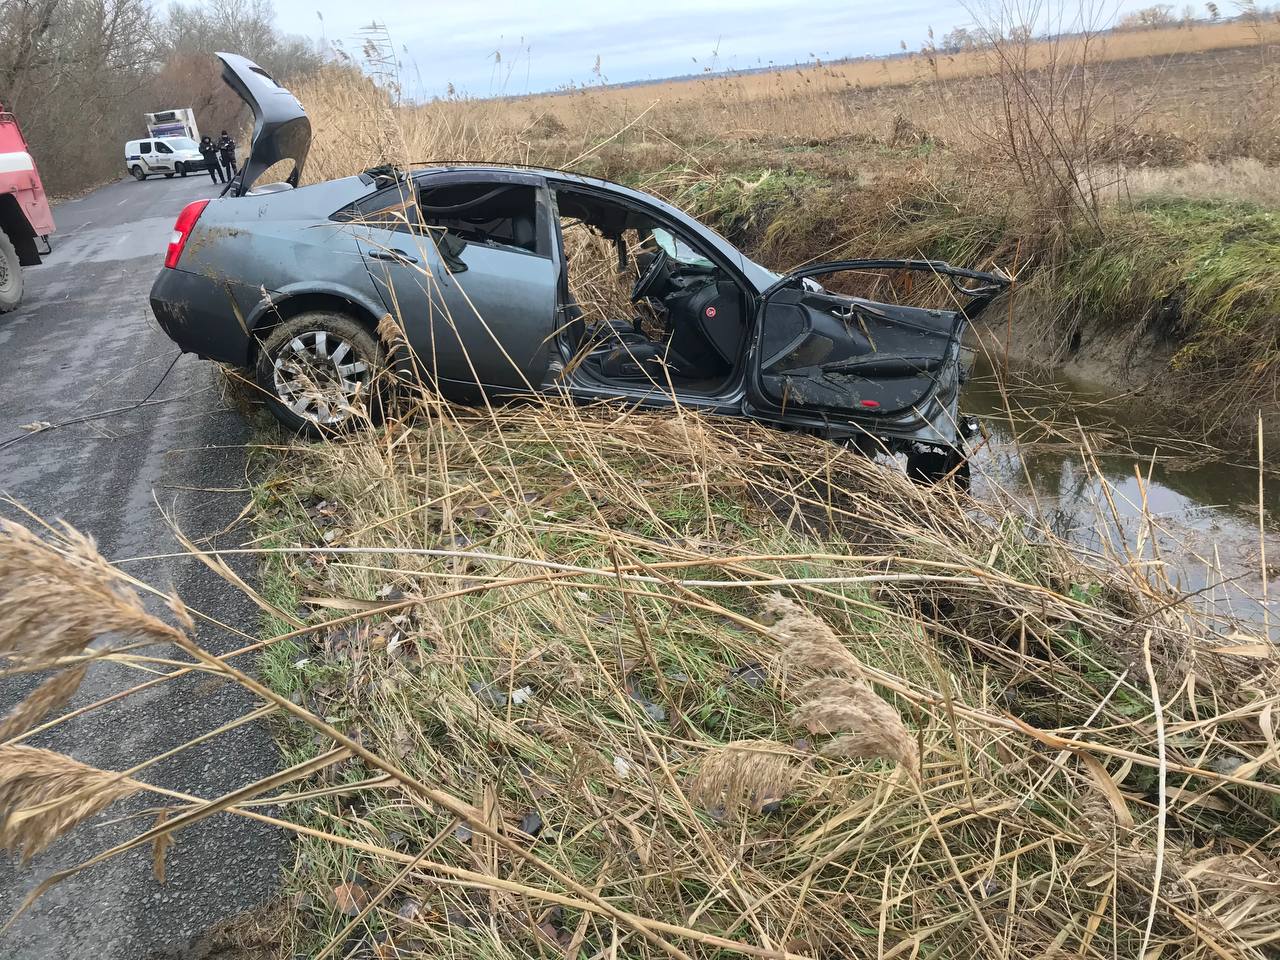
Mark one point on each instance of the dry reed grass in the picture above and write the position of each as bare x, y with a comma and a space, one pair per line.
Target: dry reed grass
751, 774
552, 616
590, 677
529, 711
1164, 98
50, 695
790, 86
56, 599
44, 794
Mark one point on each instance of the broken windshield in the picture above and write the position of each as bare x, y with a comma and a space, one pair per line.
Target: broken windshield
678, 250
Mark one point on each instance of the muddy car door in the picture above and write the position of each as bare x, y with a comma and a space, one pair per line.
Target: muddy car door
824, 357
465, 261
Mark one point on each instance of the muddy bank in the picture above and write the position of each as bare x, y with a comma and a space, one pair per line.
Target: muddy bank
1137, 379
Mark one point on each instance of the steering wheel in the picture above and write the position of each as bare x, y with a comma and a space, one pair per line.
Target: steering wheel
646, 284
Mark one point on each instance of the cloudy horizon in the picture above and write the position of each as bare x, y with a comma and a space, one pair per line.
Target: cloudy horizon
517, 49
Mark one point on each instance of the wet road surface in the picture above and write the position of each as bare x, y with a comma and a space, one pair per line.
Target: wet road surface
82, 342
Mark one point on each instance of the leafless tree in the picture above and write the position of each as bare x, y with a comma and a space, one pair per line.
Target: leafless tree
80, 73
72, 70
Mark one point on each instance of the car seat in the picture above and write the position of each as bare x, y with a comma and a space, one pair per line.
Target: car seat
524, 231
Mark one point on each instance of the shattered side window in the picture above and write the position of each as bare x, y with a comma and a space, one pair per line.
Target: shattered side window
488, 213
392, 209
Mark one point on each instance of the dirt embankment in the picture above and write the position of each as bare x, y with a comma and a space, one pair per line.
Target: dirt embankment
1173, 299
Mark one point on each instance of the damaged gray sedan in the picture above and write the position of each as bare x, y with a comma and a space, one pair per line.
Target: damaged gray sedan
510, 281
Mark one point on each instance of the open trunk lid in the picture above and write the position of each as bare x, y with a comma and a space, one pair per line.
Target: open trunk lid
281, 130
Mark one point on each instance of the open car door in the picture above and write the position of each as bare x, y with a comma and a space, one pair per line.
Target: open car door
887, 369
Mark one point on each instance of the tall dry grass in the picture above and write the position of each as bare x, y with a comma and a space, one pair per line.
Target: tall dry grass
1200, 86
783, 98
599, 683
583, 681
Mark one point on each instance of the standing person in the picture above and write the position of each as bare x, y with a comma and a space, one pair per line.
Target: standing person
227, 147
209, 150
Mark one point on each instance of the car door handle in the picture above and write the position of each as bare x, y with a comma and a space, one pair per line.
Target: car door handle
394, 255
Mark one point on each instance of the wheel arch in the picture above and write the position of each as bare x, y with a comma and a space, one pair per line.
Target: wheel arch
286, 304
21, 234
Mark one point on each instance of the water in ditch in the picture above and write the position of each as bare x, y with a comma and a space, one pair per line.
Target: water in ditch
1100, 473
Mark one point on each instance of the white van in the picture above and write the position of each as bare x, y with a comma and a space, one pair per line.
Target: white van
167, 155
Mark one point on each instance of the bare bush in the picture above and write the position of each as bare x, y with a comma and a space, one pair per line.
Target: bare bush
1053, 111
71, 70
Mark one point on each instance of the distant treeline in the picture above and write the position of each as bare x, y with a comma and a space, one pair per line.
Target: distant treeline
79, 74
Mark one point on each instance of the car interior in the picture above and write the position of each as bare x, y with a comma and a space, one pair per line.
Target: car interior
641, 305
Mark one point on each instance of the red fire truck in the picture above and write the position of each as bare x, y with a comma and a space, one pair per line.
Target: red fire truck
25, 218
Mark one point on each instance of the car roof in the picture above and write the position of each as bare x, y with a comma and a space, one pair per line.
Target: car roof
551, 173
759, 276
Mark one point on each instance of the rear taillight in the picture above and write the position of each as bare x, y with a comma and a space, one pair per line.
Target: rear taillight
182, 229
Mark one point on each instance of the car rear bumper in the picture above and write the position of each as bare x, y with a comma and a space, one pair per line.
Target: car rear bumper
204, 316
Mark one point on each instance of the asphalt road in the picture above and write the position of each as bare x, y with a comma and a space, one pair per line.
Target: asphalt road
84, 341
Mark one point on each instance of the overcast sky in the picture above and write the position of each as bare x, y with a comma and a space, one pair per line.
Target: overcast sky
545, 44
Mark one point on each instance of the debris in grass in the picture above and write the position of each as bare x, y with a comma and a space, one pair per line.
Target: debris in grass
409, 908
495, 697
521, 695
487, 695
531, 823
348, 899
752, 674
400, 646
655, 711
390, 593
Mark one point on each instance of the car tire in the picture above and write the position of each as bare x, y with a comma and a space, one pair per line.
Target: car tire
10, 275
930, 465
311, 392
138, 173
180, 169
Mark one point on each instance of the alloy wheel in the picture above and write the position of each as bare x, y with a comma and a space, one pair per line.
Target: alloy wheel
321, 377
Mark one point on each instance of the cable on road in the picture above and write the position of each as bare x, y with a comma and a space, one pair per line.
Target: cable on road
100, 414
